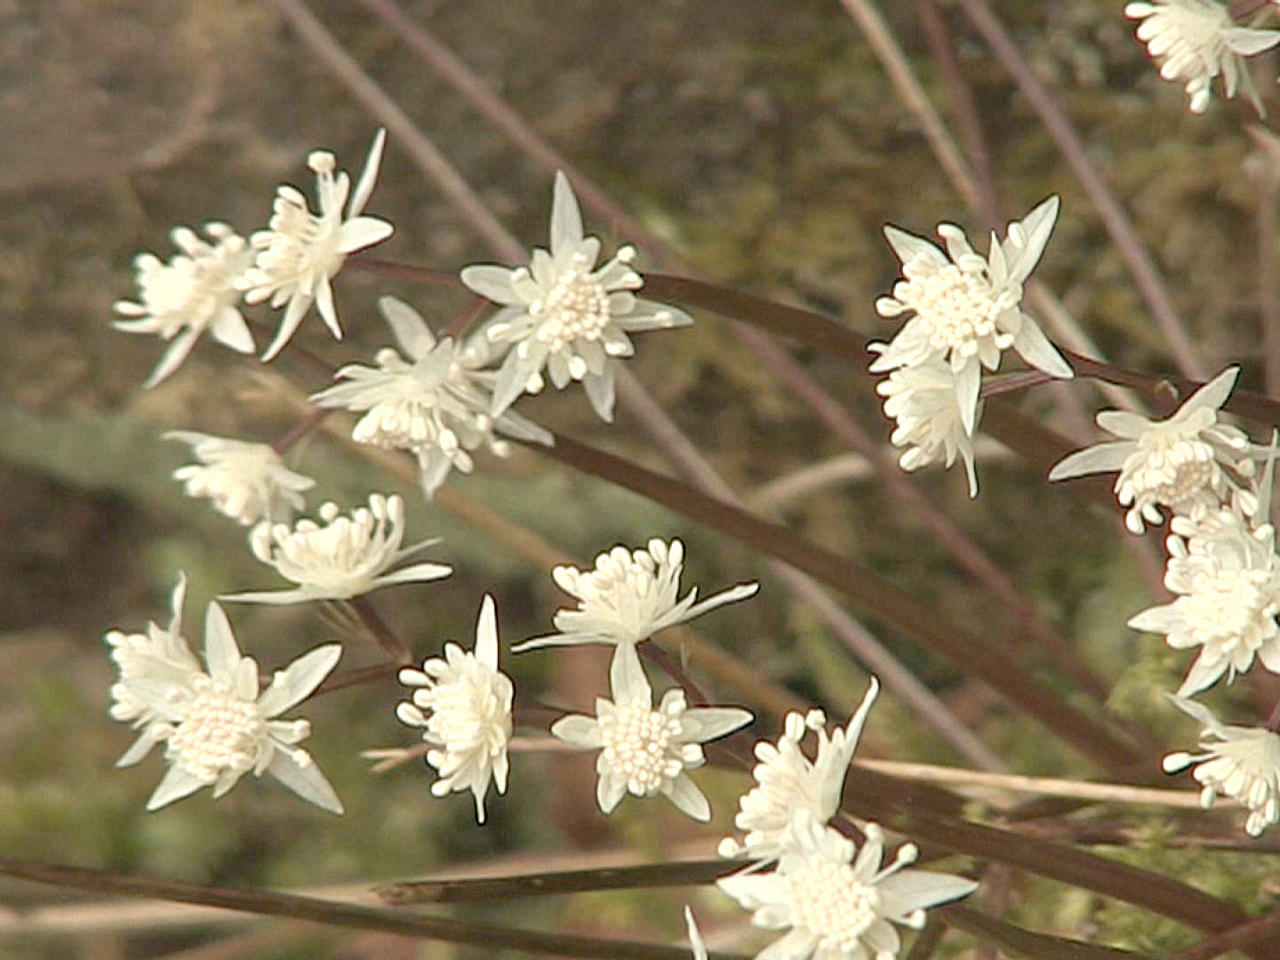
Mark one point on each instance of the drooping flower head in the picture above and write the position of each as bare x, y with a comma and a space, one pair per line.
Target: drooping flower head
196, 290
563, 314
787, 780
246, 481
1227, 577
464, 704
434, 404
1242, 763
1186, 460
968, 308
300, 252
1195, 41
628, 596
836, 906
217, 724
646, 751
344, 557
924, 401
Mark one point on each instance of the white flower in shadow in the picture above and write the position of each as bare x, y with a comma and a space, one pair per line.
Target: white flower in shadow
197, 290
345, 557
246, 481
300, 252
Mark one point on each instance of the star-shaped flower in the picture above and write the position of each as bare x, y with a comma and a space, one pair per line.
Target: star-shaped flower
346, 557
1195, 41
787, 781
464, 703
1227, 577
628, 597
644, 751
968, 308
563, 314
300, 252
1188, 459
218, 724
246, 481
196, 290
836, 906
435, 404
1242, 763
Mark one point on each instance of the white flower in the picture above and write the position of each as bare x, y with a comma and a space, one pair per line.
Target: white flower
469, 719
968, 308
1227, 576
301, 252
836, 906
628, 597
924, 401
217, 725
564, 314
344, 558
644, 751
194, 291
246, 481
1195, 40
1242, 763
788, 781
158, 651
1177, 463
435, 404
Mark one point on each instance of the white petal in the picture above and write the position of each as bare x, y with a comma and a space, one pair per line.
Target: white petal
411, 331
626, 676
491, 282
220, 650
176, 784
684, 793
487, 634
368, 175
306, 781
566, 218
578, 730
298, 680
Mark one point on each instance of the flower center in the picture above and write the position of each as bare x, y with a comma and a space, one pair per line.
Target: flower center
458, 716
220, 732
333, 555
1227, 606
956, 305
828, 901
1174, 472
643, 746
577, 308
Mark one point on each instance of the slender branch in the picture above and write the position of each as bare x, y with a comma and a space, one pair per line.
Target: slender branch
1262, 932
877, 597
1025, 943
336, 914
678, 874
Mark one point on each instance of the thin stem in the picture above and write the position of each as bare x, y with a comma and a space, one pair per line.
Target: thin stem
404, 271
467, 316
1262, 932
303, 429
336, 914
357, 677
1113, 216
679, 874
391, 642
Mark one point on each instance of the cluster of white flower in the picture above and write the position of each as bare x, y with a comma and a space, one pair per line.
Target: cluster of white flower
1222, 567
967, 311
